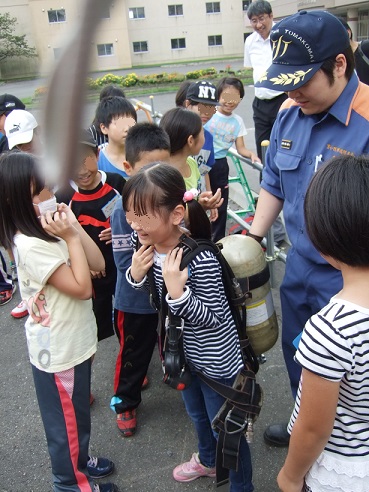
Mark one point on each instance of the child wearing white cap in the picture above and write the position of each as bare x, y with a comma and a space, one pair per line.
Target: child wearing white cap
21, 130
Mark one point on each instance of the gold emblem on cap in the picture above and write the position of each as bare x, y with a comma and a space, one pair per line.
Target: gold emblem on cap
280, 47
288, 78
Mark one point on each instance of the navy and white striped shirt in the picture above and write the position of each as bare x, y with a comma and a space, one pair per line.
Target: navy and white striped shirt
335, 346
210, 337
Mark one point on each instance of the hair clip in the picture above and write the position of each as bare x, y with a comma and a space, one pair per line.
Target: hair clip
190, 195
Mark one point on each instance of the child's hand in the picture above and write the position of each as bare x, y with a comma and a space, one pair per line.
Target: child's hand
254, 158
95, 275
208, 201
105, 235
174, 278
142, 261
287, 485
62, 207
59, 225
213, 214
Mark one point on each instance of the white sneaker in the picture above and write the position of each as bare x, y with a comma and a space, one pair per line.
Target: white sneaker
20, 311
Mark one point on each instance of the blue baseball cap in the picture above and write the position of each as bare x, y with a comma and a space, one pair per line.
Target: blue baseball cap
300, 44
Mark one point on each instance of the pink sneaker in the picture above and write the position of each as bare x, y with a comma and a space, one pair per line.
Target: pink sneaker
191, 470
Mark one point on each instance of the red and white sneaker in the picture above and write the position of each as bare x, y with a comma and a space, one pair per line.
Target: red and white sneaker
7, 295
191, 470
20, 311
127, 423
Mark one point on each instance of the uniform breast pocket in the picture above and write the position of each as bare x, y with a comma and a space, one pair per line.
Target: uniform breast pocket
289, 173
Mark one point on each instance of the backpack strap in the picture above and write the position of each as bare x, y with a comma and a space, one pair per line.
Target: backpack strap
170, 330
236, 295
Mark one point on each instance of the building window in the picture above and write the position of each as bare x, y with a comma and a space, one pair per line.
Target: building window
56, 15
175, 10
215, 40
105, 49
178, 43
363, 25
136, 13
212, 7
245, 4
140, 47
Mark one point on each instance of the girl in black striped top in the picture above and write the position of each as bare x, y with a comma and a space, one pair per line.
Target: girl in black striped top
156, 202
329, 446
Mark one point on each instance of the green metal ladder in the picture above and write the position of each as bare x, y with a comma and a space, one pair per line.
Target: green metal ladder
241, 179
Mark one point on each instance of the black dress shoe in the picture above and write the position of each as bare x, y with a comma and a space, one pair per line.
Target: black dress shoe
277, 435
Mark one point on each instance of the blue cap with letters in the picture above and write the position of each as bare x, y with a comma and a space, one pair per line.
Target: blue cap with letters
300, 44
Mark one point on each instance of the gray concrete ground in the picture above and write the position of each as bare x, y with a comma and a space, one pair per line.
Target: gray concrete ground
165, 435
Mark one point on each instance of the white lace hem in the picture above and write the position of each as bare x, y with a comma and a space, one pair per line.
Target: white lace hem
346, 475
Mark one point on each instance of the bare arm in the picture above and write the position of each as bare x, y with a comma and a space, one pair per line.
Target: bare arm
94, 256
213, 211
313, 427
241, 149
73, 280
267, 210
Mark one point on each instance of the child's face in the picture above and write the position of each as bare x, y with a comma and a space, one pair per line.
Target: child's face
85, 177
198, 143
229, 99
205, 111
44, 195
158, 155
118, 128
155, 229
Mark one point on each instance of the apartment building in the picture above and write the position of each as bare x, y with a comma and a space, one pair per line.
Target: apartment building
135, 33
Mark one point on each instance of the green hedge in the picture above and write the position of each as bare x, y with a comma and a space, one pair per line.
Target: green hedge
175, 78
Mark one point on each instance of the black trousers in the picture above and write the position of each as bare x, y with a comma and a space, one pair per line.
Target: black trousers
137, 335
219, 179
265, 113
64, 401
102, 304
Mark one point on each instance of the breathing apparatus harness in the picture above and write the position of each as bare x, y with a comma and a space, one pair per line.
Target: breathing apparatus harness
244, 399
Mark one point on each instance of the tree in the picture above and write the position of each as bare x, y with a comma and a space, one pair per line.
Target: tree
11, 45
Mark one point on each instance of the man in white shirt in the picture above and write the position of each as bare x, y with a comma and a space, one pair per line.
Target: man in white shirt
266, 104
258, 56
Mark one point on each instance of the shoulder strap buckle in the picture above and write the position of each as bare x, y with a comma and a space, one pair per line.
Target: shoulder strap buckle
174, 322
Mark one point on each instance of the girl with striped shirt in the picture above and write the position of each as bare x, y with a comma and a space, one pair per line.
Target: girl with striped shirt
156, 203
329, 445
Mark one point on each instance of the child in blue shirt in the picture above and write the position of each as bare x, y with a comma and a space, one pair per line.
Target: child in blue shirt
116, 116
227, 129
135, 321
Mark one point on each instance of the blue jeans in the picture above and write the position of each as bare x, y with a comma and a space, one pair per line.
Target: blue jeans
202, 404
